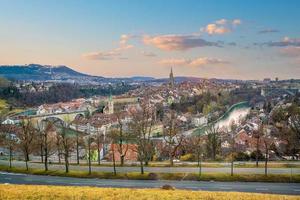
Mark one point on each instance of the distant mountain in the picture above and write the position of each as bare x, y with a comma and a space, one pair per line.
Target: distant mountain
142, 78
36, 72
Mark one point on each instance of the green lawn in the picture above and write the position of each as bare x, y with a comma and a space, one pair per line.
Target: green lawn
162, 176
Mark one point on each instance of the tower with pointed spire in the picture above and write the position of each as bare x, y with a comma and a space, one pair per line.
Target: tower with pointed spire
171, 79
110, 105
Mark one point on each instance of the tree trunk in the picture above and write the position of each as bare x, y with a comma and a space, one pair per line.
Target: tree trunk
10, 156
26, 162
122, 160
114, 161
59, 161
46, 159
213, 154
77, 150
66, 162
231, 173
266, 161
99, 156
142, 166
42, 156
89, 157
200, 167
257, 148
231, 168
171, 159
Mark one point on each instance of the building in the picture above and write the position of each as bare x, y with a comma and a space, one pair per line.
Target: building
171, 79
109, 108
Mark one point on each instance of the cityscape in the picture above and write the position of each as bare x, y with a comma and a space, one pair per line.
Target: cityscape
150, 99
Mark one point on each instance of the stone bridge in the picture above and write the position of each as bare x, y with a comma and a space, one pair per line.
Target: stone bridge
64, 116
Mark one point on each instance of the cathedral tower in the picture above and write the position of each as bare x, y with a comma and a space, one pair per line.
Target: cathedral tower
171, 79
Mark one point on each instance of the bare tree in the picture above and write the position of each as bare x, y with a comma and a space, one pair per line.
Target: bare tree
26, 136
172, 136
141, 125
232, 133
195, 144
111, 139
213, 141
78, 143
66, 140
47, 136
120, 138
8, 139
88, 140
257, 134
99, 141
266, 141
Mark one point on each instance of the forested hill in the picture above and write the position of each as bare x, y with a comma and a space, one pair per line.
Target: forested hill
36, 72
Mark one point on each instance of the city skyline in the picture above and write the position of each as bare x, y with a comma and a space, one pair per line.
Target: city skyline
209, 39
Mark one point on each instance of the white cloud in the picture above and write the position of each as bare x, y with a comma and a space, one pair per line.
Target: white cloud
286, 41
221, 26
101, 55
148, 54
236, 22
109, 55
177, 42
221, 21
291, 51
197, 62
215, 29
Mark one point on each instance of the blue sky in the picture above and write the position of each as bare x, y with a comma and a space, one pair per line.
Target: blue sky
245, 39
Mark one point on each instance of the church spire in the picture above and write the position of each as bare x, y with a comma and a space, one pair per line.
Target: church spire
171, 79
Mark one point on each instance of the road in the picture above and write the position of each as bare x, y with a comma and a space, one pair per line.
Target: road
161, 169
257, 187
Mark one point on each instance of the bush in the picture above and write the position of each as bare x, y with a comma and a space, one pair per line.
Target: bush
253, 155
153, 176
167, 187
241, 156
188, 157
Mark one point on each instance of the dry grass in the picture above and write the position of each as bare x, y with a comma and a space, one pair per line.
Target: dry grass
12, 192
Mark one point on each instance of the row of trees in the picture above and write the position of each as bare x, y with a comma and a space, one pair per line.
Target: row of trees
59, 92
56, 137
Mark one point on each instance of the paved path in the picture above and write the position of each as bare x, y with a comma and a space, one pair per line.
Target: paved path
257, 187
161, 169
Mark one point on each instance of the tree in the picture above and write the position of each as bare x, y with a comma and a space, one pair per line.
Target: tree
79, 137
232, 132
88, 142
66, 140
120, 137
47, 136
195, 144
111, 139
172, 136
8, 139
213, 141
26, 136
267, 142
78, 143
295, 122
143, 118
257, 134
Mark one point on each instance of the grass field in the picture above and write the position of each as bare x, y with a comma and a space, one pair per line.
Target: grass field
13, 192
162, 176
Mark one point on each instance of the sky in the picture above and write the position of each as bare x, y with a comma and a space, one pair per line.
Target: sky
236, 39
